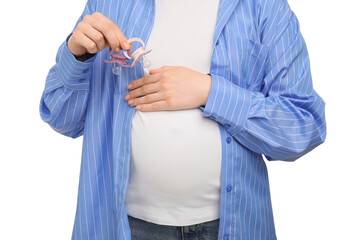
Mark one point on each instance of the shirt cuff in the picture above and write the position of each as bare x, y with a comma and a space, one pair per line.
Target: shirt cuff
227, 104
72, 73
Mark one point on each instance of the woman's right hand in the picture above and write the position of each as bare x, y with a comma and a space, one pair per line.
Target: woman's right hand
95, 33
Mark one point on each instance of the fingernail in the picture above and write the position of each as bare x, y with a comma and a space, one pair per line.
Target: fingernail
126, 45
117, 50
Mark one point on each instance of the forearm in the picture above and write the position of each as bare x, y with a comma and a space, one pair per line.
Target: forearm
64, 99
279, 127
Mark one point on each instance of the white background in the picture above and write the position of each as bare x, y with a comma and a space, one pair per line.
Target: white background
316, 197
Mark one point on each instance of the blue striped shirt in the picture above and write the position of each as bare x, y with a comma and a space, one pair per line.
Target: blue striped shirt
261, 97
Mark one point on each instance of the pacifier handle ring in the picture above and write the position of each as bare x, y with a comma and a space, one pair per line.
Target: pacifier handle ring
138, 53
134, 40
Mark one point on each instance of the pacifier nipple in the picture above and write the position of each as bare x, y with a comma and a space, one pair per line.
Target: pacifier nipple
116, 69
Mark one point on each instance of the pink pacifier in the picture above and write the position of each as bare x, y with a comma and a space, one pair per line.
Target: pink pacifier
119, 60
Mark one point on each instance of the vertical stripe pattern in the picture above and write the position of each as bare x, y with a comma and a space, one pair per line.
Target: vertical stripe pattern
261, 97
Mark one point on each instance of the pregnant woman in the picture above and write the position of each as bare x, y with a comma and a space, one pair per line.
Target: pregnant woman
178, 152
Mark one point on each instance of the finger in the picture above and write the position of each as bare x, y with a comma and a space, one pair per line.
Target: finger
111, 32
149, 98
88, 44
142, 91
155, 70
125, 45
142, 81
105, 27
155, 106
95, 36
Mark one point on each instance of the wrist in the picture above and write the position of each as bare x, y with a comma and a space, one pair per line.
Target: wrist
207, 88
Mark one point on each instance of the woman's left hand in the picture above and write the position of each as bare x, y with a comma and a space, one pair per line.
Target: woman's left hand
169, 88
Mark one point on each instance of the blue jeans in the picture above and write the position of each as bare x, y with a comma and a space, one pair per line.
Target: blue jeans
143, 230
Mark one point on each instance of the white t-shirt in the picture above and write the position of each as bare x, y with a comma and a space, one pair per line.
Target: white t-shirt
176, 155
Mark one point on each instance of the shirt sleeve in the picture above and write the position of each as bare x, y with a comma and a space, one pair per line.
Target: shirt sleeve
286, 119
64, 99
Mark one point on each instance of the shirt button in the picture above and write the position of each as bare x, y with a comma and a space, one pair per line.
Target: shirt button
228, 188
226, 125
228, 140
226, 237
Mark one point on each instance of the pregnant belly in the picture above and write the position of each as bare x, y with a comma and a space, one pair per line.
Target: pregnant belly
175, 154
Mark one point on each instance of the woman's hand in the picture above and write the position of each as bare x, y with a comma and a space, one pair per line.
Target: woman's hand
95, 33
169, 88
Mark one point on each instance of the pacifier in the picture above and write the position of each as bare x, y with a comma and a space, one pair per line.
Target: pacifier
138, 55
